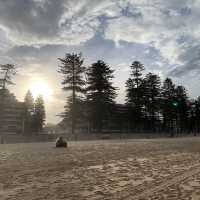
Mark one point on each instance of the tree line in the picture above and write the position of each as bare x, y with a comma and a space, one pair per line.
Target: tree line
150, 105
33, 111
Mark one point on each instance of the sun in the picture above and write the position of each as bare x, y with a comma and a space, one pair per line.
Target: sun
40, 87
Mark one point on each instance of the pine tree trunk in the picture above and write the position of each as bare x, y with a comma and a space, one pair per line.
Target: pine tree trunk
73, 103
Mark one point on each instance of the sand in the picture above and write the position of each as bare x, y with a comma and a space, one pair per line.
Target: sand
125, 169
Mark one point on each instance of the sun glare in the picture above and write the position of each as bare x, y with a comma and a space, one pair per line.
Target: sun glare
40, 87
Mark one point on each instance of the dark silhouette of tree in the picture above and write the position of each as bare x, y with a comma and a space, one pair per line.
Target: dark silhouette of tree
6, 71
39, 114
134, 90
195, 116
168, 105
100, 93
29, 101
28, 112
72, 70
182, 108
152, 97
79, 113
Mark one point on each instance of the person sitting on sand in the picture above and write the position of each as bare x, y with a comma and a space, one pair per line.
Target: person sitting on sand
60, 142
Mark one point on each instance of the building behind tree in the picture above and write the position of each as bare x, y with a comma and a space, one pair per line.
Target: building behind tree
10, 113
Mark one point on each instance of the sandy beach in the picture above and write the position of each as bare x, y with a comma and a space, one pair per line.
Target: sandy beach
150, 169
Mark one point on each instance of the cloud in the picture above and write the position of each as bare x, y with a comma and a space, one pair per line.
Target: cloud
190, 57
159, 24
162, 25
39, 22
5, 43
29, 20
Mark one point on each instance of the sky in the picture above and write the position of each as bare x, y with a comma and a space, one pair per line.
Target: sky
164, 35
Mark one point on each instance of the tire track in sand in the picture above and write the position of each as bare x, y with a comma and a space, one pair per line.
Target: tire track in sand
148, 192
